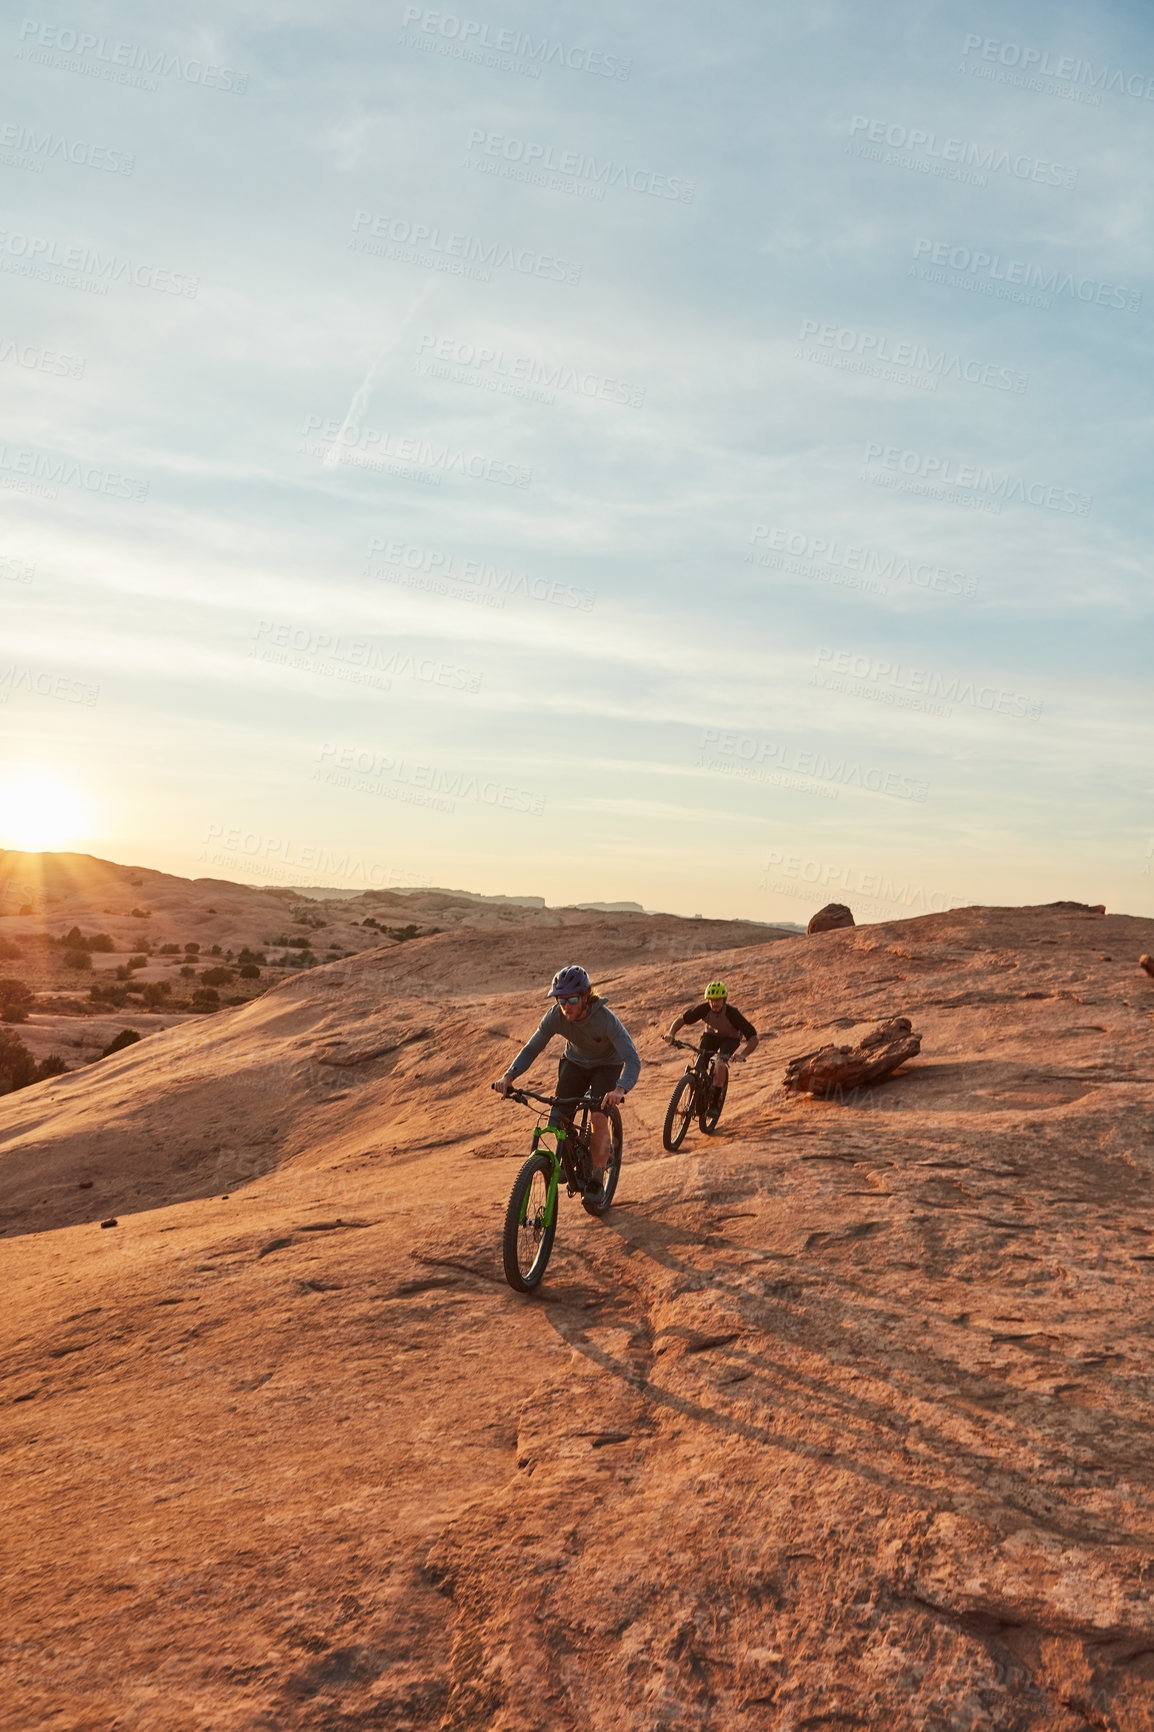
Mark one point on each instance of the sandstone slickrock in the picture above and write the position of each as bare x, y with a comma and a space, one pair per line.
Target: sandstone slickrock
834, 1069
830, 918
839, 1418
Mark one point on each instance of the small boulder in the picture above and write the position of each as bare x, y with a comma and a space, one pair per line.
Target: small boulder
1147, 962
830, 918
833, 1069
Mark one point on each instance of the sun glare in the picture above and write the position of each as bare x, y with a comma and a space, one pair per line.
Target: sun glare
39, 811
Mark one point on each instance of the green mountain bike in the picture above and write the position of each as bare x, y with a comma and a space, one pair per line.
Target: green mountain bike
695, 1097
559, 1152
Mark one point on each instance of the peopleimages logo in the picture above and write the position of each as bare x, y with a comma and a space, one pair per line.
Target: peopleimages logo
585, 172
430, 568
850, 346
893, 683
1038, 63
119, 62
927, 152
1015, 279
751, 753
37, 148
50, 471
806, 553
427, 244
342, 440
525, 52
987, 484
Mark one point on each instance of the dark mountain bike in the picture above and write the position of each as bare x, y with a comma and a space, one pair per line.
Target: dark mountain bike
561, 1152
695, 1097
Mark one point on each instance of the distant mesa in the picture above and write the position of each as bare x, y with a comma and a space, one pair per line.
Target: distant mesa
831, 917
1077, 907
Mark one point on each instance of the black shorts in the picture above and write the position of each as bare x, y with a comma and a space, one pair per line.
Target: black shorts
725, 1044
574, 1081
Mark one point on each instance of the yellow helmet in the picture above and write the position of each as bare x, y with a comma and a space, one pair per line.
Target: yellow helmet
716, 989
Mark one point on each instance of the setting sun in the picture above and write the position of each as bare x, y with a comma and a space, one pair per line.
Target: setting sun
38, 811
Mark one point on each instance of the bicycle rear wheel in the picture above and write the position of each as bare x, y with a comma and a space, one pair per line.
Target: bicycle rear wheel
598, 1205
530, 1225
680, 1114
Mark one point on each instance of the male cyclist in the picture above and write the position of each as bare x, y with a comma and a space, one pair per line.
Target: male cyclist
725, 1028
600, 1058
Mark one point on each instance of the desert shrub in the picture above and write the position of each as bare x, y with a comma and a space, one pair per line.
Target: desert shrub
249, 971
169, 950
248, 955
77, 959
106, 993
192, 950
155, 992
137, 962
123, 972
17, 1066
215, 951
101, 941
217, 976
53, 1065
74, 939
142, 913
188, 971
15, 999
126, 1037
206, 998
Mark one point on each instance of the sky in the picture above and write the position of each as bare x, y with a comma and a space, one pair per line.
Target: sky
692, 455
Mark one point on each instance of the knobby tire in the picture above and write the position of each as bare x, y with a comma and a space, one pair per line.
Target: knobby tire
612, 1169
680, 1114
525, 1248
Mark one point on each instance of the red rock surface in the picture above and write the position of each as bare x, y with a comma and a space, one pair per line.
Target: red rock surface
840, 1417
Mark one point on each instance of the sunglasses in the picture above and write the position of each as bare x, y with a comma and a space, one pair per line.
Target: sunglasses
576, 1000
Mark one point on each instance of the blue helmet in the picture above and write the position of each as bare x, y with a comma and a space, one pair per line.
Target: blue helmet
568, 981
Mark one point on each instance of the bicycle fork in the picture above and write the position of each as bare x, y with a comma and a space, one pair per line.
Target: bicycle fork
555, 1168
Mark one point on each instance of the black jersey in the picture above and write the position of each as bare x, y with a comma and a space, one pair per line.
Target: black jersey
726, 1020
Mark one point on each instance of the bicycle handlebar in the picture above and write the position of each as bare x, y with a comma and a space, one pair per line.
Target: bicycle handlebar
524, 1096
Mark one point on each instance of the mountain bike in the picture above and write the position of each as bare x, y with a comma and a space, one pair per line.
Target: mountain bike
695, 1097
557, 1152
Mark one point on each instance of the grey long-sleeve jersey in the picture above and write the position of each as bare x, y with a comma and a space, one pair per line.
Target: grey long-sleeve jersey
599, 1038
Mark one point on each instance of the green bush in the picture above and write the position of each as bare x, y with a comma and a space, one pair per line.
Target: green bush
206, 998
156, 992
77, 959
192, 950
17, 1066
101, 993
126, 1037
74, 939
248, 955
53, 1065
217, 976
169, 950
249, 971
137, 962
15, 999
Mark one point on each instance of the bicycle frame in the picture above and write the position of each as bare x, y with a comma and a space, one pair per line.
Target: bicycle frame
556, 1152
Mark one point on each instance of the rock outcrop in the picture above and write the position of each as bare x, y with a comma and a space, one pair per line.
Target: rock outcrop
830, 918
832, 1070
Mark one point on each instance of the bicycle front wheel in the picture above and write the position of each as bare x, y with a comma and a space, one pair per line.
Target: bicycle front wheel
599, 1205
530, 1225
680, 1114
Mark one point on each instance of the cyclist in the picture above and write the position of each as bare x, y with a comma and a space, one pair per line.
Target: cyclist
600, 1058
725, 1029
